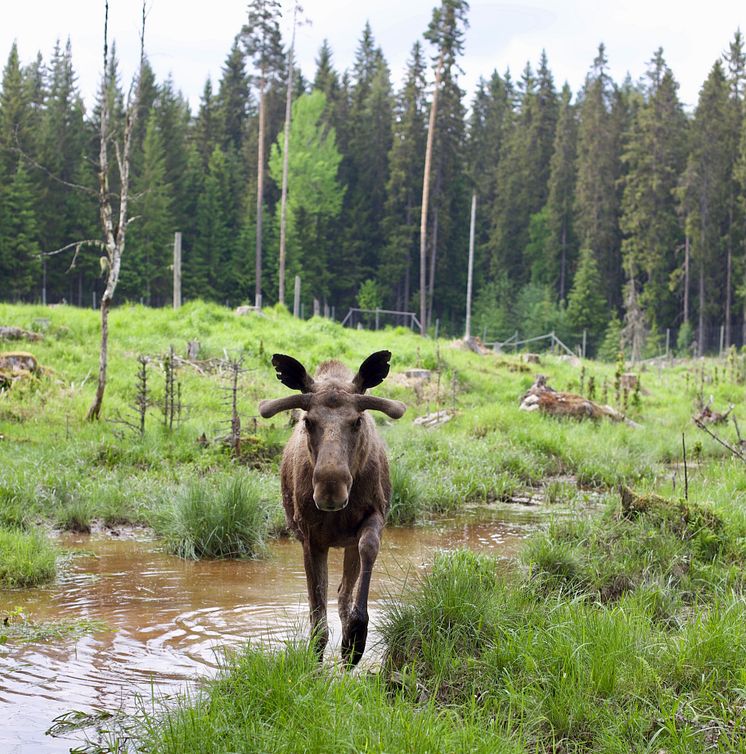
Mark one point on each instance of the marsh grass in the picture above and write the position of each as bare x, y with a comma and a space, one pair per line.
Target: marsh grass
286, 703
225, 517
19, 628
564, 674
26, 559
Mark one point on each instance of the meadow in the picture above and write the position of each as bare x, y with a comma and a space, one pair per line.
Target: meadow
621, 628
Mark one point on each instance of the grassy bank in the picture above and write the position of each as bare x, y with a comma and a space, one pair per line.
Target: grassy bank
622, 633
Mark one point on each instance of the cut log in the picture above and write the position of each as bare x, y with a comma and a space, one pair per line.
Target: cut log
547, 400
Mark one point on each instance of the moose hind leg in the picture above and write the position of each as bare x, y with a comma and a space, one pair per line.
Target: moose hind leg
355, 632
315, 563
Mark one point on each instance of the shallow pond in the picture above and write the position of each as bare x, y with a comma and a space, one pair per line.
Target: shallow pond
168, 619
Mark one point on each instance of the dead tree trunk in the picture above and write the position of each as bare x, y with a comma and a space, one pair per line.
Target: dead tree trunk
285, 160
114, 238
426, 194
260, 191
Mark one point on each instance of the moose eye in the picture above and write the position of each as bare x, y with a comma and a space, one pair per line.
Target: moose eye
357, 423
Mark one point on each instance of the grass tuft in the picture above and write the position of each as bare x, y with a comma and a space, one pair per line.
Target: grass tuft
26, 559
227, 517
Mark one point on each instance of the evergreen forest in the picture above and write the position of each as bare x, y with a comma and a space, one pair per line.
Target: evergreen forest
612, 210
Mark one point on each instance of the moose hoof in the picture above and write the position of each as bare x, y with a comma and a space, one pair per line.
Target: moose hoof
354, 637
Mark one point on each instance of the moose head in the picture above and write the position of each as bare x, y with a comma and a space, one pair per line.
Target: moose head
335, 425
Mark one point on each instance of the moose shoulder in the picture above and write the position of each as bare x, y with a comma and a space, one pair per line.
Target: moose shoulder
335, 484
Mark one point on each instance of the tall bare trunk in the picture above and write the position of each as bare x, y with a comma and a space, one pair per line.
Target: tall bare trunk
426, 196
728, 285
260, 193
563, 261
701, 334
433, 258
470, 266
686, 279
114, 237
285, 161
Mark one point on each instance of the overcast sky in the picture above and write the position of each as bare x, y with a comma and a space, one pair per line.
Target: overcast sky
191, 40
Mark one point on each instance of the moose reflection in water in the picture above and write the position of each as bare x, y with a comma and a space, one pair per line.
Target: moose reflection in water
335, 484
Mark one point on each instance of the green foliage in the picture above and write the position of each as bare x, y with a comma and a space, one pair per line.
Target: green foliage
223, 518
369, 296
612, 342
586, 306
26, 559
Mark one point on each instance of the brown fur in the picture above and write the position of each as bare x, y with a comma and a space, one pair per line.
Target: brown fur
335, 454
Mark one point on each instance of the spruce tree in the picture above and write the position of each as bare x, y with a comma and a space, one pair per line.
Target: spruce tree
596, 199
655, 157
706, 193
562, 247
147, 273
404, 188
586, 305
19, 238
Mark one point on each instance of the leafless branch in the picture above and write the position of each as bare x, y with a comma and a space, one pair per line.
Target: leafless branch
75, 245
725, 444
38, 166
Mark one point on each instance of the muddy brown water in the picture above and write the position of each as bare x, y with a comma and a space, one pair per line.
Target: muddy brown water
169, 620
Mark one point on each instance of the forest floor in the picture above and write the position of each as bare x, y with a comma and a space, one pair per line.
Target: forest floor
622, 628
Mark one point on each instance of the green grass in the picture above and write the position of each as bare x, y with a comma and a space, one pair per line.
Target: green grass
26, 559
285, 703
222, 517
622, 630
562, 674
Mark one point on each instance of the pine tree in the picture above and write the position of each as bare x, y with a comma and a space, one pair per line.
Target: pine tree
19, 238
62, 151
655, 158
404, 188
204, 273
706, 194
489, 126
233, 98
446, 33
596, 200
261, 37
147, 273
735, 59
562, 247
586, 306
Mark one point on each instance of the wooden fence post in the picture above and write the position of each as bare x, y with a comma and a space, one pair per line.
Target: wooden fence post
177, 270
296, 297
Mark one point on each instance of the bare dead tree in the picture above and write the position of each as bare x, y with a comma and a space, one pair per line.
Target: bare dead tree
114, 234
285, 154
426, 191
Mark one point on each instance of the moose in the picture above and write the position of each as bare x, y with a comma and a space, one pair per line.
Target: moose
335, 484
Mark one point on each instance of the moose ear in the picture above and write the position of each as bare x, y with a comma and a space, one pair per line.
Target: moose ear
292, 373
372, 371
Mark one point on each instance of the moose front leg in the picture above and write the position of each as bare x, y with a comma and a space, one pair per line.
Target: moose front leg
350, 573
355, 629
315, 563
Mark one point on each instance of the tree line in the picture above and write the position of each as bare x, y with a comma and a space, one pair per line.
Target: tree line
611, 210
